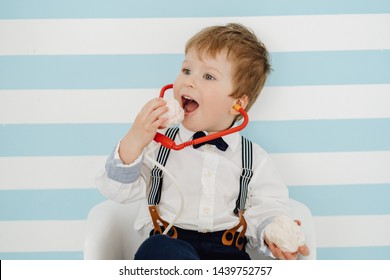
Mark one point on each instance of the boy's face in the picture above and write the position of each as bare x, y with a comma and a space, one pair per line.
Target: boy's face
203, 87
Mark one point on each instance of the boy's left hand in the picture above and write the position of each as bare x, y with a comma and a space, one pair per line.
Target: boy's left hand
279, 254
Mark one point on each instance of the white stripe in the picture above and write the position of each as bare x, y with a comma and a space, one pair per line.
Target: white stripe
351, 231
41, 236
122, 106
36, 236
296, 169
167, 35
334, 168
72, 106
50, 172
322, 102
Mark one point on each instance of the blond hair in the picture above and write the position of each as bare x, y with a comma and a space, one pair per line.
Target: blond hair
247, 53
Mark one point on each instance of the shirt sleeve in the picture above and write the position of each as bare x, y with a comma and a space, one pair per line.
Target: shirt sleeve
120, 172
263, 248
120, 182
268, 198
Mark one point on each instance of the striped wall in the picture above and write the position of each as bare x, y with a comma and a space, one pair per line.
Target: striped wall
73, 75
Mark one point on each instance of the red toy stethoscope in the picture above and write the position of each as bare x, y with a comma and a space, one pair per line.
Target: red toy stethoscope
170, 144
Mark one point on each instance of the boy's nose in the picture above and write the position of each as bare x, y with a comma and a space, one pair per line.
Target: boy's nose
190, 82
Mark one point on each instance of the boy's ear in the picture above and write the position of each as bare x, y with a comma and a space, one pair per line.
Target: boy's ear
242, 101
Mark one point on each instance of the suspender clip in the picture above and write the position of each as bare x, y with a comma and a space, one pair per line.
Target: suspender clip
156, 219
228, 235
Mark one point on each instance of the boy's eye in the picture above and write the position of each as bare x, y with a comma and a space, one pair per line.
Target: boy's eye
186, 71
208, 77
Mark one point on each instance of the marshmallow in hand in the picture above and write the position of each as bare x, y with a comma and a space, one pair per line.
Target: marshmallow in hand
175, 113
285, 233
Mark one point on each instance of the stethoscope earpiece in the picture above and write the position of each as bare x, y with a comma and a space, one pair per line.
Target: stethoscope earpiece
237, 107
170, 144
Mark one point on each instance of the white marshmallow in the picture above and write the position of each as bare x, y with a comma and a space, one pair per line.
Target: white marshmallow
285, 233
175, 113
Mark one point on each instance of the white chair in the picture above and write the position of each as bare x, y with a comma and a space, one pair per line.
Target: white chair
110, 234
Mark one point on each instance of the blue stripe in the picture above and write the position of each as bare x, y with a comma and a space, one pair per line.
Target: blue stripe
354, 253
74, 204
330, 68
156, 70
339, 253
67, 204
24, 9
368, 199
273, 136
305, 136
88, 71
41, 255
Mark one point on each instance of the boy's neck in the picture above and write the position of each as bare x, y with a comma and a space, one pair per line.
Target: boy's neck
211, 132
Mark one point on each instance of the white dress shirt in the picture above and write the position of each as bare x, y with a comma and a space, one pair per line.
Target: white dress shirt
209, 180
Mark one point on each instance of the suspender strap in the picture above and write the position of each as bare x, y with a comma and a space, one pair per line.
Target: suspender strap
246, 174
157, 173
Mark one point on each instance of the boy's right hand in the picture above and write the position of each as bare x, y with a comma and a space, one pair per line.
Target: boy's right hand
143, 130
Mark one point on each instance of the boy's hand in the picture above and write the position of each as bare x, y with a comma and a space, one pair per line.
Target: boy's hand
279, 254
143, 130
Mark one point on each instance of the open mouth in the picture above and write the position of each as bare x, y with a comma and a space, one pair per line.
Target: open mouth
189, 104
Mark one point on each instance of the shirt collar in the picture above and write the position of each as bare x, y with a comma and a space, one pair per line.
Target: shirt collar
232, 140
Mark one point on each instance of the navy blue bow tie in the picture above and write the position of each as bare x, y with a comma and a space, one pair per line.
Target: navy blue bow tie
218, 142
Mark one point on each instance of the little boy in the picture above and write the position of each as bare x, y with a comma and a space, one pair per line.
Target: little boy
223, 66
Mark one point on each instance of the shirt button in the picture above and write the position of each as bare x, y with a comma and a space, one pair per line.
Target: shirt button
206, 210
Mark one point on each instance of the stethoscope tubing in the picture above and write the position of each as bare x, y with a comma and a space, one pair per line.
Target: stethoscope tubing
170, 144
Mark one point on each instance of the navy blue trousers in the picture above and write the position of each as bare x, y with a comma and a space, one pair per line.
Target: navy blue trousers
190, 245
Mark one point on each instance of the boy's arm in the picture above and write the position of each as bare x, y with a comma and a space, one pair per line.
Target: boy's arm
122, 180
270, 199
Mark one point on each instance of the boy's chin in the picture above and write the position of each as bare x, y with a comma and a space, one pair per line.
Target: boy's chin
191, 127
195, 125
